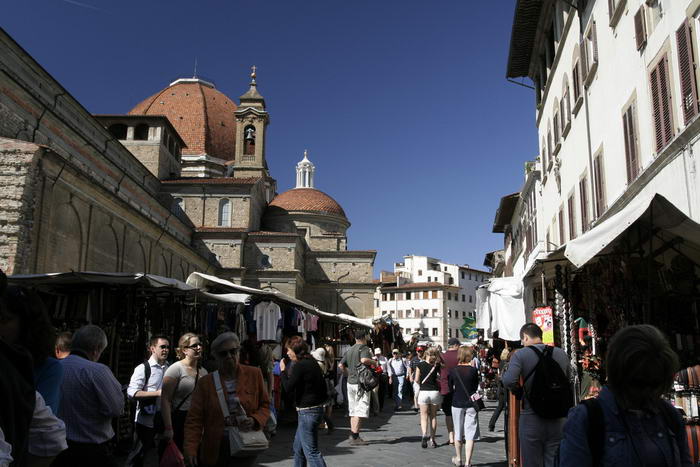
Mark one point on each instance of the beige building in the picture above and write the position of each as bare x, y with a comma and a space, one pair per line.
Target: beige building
180, 184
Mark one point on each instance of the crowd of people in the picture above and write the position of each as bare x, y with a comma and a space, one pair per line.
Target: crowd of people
219, 406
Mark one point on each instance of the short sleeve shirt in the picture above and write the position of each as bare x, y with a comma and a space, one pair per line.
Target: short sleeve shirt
432, 382
185, 384
352, 358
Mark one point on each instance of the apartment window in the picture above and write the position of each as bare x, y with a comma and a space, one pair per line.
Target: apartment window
463, 298
449, 332
464, 314
449, 313
451, 281
470, 276
599, 179
408, 295
470, 299
445, 268
629, 126
449, 295
384, 297
562, 235
425, 295
572, 218
408, 313
462, 274
420, 272
556, 124
224, 213
435, 294
686, 68
425, 313
392, 297
615, 9
640, 27
430, 279
576, 78
435, 313
590, 52
549, 147
565, 110
435, 332
543, 151
583, 200
661, 103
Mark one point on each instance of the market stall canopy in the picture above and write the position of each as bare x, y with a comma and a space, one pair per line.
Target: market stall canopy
500, 307
206, 281
108, 278
657, 213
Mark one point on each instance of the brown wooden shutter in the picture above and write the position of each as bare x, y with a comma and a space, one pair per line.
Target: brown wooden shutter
631, 151
686, 65
583, 195
661, 104
656, 108
599, 186
572, 218
611, 7
594, 43
640, 27
584, 60
562, 234
577, 80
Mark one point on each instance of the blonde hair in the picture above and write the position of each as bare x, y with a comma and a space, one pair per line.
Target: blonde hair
184, 342
431, 352
465, 354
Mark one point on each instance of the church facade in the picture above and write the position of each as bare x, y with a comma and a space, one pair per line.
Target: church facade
179, 184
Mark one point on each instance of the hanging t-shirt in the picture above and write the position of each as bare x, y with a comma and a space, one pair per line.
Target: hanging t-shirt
301, 319
266, 315
311, 322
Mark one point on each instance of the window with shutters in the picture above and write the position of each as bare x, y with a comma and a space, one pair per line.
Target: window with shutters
543, 151
640, 27
686, 72
565, 109
615, 8
583, 202
425, 295
435, 331
572, 216
562, 232
599, 183
661, 104
435, 294
549, 146
629, 128
556, 122
590, 53
577, 86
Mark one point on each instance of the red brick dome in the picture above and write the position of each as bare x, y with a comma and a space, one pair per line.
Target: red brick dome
201, 115
307, 200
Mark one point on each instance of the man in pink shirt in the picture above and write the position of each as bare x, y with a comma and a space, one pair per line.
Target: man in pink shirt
449, 359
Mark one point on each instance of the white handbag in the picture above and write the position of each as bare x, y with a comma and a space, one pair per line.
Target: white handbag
239, 441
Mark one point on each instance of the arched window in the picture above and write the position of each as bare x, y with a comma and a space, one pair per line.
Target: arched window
249, 140
141, 132
224, 213
118, 130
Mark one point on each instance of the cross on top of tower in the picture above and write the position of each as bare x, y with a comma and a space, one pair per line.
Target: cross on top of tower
253, 75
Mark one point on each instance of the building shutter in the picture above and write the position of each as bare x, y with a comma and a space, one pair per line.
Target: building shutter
631, 153
583, 195
594, 43
599, 186
577, 80
661, 104
584, 59
686, 65
640, 27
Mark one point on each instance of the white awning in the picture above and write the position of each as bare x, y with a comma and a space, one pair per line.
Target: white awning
657, 211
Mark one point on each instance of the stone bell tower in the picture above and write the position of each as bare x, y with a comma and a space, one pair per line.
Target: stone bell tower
251, 124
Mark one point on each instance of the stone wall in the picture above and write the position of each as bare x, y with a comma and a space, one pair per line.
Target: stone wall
18, 182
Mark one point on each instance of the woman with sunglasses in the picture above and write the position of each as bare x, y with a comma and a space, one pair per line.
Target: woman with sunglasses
304, 378
179, 382
247, 403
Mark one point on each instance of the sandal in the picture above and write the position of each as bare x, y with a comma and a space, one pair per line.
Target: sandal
456, 462
433, 443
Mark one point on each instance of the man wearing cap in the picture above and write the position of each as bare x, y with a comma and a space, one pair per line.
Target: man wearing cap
450, 360
379, 393
396, 367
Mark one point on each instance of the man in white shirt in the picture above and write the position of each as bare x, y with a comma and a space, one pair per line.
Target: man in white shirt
379, 393
397, 367
145, 387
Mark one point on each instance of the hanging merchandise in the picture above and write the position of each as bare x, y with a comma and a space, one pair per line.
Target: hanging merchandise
266, 315
311, 322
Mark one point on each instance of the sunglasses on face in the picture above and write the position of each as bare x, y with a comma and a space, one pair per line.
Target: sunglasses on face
194, 346
226, 353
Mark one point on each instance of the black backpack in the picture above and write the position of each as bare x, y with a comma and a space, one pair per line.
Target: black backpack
550, 394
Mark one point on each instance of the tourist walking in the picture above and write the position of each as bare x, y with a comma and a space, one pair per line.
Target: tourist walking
547, 396
145, 388
417, 358
234, 389
304, 378
320, 356
379, 392
449, 361
90, 398
397, 367
358, 399
463, 382
429, 397
179, 382
331, 377
629, 424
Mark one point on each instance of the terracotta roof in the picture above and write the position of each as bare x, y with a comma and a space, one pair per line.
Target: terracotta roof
211, 181
203, 116
308, 200
219, 229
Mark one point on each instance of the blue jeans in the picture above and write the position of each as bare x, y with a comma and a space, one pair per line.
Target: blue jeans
306, 439
397, 388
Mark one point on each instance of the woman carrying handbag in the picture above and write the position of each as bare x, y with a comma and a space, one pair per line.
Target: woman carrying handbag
229, 409
429, 397
463, 381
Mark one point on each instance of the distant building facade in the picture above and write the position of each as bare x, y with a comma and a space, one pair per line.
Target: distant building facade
429, 297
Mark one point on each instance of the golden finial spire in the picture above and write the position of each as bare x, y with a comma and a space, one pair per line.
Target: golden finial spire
253, 75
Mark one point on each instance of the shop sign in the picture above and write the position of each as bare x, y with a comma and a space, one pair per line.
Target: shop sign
543, 317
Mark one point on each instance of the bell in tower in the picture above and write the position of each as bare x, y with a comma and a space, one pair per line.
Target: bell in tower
251, 123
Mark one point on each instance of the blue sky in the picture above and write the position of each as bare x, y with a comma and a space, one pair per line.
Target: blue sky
402, 104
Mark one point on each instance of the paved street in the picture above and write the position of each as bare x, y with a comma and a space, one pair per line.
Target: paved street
394, 441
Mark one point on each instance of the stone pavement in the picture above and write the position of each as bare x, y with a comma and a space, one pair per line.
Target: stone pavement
394, 440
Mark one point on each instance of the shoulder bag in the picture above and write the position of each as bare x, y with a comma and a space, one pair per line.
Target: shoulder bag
477, 401
238, 441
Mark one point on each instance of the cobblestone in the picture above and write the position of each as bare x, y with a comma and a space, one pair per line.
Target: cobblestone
394, 440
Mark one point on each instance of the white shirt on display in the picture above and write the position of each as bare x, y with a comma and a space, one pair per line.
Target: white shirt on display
266, 316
